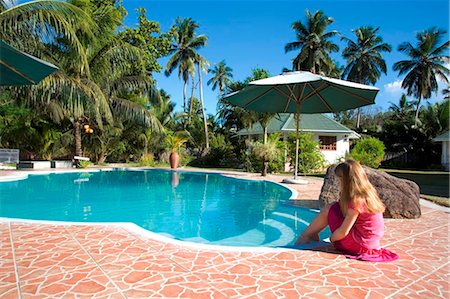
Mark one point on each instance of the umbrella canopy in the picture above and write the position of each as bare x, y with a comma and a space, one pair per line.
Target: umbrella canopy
19, 68
313, 93
302, 92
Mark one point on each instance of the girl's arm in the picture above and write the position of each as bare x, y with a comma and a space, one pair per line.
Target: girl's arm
346, 226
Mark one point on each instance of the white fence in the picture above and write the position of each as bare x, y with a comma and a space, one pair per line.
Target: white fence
9, 155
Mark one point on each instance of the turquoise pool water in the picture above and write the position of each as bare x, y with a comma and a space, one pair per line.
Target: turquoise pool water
196, 207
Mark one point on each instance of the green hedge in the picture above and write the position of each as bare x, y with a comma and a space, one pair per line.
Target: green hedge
369, 152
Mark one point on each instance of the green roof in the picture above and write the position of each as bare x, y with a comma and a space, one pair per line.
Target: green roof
443, 137
285, 122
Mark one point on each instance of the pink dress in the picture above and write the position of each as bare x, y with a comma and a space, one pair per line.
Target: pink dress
363, 240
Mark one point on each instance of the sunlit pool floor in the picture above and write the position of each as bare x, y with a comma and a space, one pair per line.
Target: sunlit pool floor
111, 261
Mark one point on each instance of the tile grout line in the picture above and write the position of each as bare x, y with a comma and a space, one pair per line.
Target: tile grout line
153, 248
296, 278
237, 260
95, 262
16, 270
422, 278
170, 258
302, 276
418, 234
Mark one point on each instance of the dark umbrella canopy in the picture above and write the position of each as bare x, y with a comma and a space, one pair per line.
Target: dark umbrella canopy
18, 68
309, 92
302, 92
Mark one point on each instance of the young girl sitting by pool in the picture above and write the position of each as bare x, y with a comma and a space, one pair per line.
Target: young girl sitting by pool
356, 221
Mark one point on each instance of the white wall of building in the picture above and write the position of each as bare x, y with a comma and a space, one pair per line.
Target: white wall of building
342, 148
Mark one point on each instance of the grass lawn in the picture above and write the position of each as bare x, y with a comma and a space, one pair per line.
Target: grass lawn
432, 183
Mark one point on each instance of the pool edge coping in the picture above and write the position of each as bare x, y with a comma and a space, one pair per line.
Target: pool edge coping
135, 229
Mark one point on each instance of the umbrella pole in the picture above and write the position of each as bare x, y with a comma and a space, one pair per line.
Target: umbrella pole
297, 125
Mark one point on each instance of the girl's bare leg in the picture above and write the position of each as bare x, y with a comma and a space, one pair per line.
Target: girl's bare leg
311, 233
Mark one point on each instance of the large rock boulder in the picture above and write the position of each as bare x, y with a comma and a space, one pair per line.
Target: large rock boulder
401, 197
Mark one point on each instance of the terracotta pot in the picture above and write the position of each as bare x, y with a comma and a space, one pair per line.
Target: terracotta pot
174, 159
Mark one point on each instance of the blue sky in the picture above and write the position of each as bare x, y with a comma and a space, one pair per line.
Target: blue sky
249, 34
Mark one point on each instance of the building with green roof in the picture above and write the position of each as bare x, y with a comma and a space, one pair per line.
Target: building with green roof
333, 137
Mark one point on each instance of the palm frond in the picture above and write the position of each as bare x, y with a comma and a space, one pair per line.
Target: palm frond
47, 20
136, 112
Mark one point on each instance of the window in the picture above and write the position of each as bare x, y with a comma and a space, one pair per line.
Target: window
327, 143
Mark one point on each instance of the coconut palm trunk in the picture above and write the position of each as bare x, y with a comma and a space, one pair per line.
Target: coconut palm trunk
184, 95
191, 102
265, 135
205, 125
77, 132
416, 119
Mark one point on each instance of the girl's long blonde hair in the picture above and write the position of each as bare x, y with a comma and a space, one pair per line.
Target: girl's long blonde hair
357, 189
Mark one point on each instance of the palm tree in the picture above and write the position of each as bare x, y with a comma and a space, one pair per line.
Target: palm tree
163, 109
264, 119
114, 71
313, 42
184, 46
364, 60
403, 109
221, 76
426, 65
31, 25
237, 117
202, 65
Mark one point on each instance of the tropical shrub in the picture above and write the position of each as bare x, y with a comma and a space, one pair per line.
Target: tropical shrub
84, 164
175, 142
147, 160
266, 152
221, 153
185, 159
369, 152
310, 159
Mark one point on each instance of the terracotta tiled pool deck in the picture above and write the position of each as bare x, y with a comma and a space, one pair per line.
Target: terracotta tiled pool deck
42, 260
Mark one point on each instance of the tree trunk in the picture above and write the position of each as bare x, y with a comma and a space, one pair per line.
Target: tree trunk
265, 135
417, 111
191, 103
358, 118
77, 132
101, 158
205, 125
184, 96
265, 168
313, 66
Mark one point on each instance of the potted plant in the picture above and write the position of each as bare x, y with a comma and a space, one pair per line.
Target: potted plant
174, 143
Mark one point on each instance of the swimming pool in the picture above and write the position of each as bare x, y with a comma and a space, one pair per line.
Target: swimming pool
190, 206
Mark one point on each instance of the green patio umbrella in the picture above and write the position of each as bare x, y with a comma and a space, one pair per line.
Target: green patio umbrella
302, 92
18, 68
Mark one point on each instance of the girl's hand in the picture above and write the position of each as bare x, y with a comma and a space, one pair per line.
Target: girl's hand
346, 226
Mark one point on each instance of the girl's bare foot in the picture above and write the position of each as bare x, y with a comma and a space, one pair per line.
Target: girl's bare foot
303, 239
315, 237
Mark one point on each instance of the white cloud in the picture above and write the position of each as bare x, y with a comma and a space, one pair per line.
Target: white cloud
394, 87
